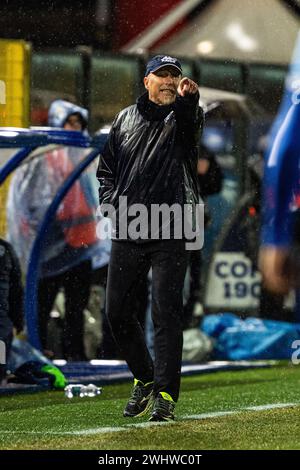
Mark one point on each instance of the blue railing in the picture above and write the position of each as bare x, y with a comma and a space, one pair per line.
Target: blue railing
27, 140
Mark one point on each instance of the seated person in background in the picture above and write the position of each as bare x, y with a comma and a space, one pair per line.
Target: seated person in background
271, 304
11, 300
210, 182
71, 240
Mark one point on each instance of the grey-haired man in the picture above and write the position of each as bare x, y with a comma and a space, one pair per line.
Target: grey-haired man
151, 159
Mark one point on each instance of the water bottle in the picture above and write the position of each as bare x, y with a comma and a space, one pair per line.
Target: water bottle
80, 390
74, 390
92, 390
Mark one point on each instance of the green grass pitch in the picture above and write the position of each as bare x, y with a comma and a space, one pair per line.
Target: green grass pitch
250, 409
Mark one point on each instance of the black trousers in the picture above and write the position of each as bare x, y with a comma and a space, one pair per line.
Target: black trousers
108, 348
76, 283
129, 263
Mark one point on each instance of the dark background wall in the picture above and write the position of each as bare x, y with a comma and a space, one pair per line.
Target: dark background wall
103, 24
57, 23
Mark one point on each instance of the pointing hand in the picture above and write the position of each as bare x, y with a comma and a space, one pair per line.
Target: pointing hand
187, 86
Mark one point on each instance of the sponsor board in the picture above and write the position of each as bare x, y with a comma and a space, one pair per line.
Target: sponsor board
233, 282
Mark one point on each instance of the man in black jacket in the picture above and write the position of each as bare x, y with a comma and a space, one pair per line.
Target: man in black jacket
11, 300
150, 160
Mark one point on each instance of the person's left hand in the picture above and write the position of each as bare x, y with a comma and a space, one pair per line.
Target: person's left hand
187, 87
203, 166
272, 261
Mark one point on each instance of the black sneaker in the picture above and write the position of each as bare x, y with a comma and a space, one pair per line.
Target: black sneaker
163, 408
141, 399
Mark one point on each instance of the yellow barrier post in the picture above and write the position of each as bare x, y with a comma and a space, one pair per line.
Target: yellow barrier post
14, 99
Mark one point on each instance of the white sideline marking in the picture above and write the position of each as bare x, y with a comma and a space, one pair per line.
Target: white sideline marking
270, 407
213, 414
70, 433
216, 414
89, 432
128, 427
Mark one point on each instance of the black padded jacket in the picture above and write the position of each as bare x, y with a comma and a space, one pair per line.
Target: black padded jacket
151, 154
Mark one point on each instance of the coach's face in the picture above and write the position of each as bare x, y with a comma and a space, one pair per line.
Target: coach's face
162, 85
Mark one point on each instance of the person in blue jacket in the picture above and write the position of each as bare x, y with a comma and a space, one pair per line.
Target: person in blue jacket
280, 232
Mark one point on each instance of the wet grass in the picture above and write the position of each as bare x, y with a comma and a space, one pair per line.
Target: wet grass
48, 420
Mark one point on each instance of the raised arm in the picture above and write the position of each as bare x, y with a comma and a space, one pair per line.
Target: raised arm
189, 115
